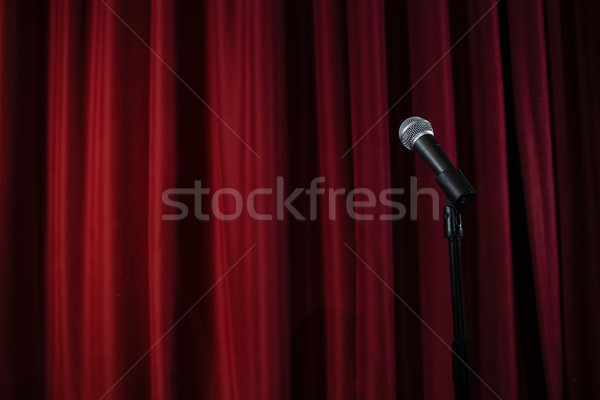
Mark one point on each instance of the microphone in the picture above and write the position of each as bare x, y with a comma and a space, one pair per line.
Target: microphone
416, 134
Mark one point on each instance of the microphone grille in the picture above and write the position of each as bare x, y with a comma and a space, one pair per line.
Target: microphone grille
413, 128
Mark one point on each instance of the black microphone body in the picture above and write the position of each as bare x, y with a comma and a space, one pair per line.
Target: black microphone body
416, 134
430, 151
454, 184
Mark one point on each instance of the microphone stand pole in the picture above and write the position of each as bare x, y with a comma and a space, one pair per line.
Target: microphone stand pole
461, 374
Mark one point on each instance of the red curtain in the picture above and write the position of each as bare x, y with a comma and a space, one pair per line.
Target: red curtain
107, 104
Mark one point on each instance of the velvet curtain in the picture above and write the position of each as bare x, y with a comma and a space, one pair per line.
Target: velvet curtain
106, 104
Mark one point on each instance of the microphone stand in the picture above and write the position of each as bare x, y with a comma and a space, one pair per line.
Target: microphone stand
417, 134
461, 374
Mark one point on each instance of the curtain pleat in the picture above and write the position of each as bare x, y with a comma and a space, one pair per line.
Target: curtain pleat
161, 237
482, 125
574, 99
245, 49
65, 149
333, 131
114, 257
374, 314
532, 119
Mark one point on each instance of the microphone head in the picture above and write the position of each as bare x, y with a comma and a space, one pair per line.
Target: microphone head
412, 129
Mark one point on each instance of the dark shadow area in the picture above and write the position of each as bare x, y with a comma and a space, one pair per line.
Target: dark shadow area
529, 355
409, 366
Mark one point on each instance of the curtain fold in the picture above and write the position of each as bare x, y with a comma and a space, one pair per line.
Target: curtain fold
482, 152
573, 87
244, 49
339, 269
116, 115
161, 238
374, 308
532, 120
